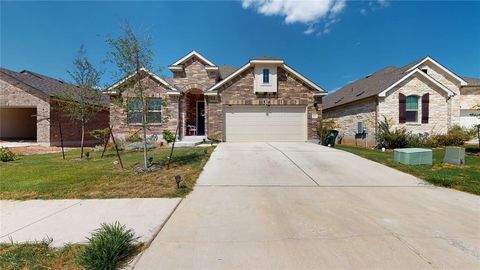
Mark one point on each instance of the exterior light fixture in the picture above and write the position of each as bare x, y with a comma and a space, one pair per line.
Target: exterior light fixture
315, 104
178, 179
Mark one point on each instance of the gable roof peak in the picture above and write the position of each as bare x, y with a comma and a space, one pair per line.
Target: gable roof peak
191, 54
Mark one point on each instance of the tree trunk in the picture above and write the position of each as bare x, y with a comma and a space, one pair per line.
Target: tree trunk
83, 136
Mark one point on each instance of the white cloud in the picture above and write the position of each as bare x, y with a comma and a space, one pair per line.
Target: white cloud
308, 12
373, 6
383, 3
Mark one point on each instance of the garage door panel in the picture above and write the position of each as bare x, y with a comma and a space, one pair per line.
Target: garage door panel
262, 123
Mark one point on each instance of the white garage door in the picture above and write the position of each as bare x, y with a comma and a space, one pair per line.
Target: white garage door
265, 123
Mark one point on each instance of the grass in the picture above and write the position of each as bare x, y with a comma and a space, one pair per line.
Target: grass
48, 176
38, 255
465, 178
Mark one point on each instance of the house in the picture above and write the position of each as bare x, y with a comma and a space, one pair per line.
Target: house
423, 96
30, 110
264, 100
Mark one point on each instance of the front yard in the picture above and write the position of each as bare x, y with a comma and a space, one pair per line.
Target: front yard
48, 176
465, 178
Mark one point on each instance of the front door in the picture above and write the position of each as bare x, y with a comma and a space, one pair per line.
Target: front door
200, 118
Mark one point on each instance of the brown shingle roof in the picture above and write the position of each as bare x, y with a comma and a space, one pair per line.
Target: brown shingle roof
45, 85
472, 81
225, 71
369, 86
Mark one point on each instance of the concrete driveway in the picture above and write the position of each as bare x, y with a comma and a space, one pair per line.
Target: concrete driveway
303, 206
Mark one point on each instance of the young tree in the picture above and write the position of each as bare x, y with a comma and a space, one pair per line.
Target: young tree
81, 103
130, 53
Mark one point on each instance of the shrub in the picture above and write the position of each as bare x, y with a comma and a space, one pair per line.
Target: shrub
456, 135
109, 248
215, 137
168, 136
133, 136
7, 155
323, 127
100, 134
396, 138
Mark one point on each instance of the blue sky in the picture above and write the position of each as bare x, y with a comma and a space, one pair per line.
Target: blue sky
331, 42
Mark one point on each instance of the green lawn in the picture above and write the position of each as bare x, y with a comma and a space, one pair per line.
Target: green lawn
465, 178
48, 176
37, 256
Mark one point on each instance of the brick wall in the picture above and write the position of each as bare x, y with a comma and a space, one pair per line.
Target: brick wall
71, 129
239, 91
118, 114
15, 94
194, 75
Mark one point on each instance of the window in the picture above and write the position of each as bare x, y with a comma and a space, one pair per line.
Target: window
154, 110
154, 115
411, 109
134, 107
266, 75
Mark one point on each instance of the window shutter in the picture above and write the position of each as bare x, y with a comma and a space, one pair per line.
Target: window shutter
425, 108
402, 108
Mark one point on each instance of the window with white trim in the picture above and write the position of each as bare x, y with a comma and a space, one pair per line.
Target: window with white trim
266, 75
154, 110
411, 110
134, 108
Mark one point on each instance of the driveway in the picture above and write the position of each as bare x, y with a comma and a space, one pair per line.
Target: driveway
304, 206
71, 221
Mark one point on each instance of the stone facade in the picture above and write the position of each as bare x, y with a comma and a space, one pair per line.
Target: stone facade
118, 112
347, 117
194, 76
18, 95
239, 91
439, 106
444, 111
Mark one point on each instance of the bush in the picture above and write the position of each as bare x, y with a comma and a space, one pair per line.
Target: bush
456, 135
396, 138
109, 247
168, 136
7, 155
323, 127
133, 136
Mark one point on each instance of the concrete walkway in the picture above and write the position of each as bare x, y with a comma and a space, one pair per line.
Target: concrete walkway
303, 206
71, 221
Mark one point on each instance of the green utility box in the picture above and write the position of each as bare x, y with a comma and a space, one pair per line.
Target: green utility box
413, 156
454, 155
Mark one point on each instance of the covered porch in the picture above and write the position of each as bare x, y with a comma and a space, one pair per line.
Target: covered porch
194, 113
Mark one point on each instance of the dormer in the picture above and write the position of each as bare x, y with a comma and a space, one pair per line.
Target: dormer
265, 78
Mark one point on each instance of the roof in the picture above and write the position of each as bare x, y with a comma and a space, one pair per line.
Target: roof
226, 70
472, 81
168, 82
279, 63
375, 84
266, 58
191, 54
45, 85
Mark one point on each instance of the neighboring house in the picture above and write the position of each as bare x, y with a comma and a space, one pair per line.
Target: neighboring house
264, 100
423, 96
30, 110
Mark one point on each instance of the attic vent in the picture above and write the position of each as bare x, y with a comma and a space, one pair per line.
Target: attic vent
30, 73
60, 81
339, 100
361, 93
368, 75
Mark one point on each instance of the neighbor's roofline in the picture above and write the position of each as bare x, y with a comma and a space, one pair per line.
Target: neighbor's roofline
285, 66
418, 71
428, 58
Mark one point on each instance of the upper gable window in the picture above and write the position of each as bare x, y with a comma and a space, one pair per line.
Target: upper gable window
266, 75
